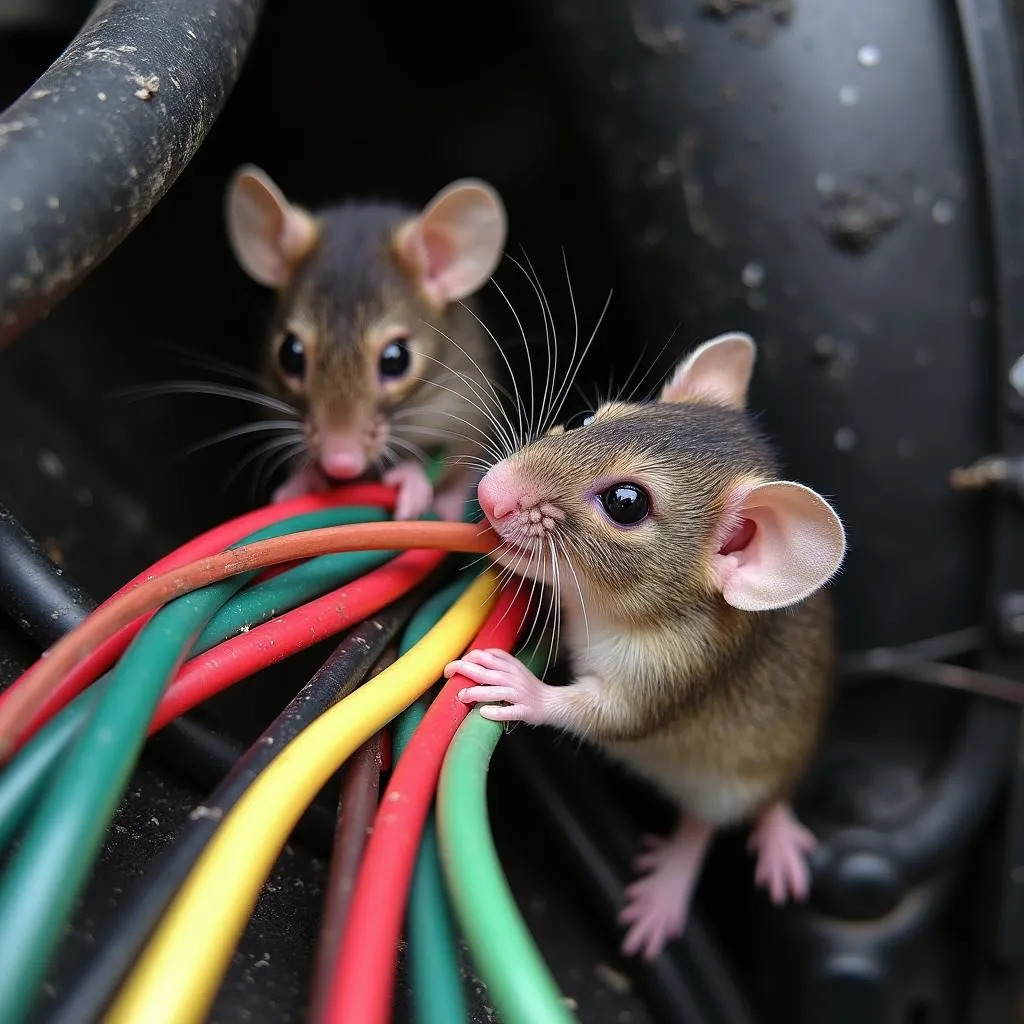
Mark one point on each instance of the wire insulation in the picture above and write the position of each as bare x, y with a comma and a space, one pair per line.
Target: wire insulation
213, 672
355, 818
518, 981
45, 675
178, 975
93, 665
364, 975
140, 911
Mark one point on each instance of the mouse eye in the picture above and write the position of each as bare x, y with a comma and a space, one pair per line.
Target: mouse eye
291, 356
395, 359
626, 504
580, 419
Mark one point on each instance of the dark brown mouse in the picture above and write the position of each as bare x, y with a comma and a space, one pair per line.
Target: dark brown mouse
699, 636
371, 340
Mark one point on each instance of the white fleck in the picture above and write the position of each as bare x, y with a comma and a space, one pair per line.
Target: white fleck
53, 202
753, 274
943, 212
102, 97
190, 34
38, 94
844, 439
848, 95
50, 465
825, 183
202, 811
154, 821
1017, 376
125, 48
869, 56
17, 205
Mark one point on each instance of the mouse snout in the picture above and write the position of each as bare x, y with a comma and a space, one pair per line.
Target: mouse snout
516, 510
342, 455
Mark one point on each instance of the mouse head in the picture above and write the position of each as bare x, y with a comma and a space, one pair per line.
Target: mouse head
369, 295
654, 509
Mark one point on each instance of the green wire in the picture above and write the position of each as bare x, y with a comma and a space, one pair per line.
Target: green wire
517, 979
46, 873
22, 780
433, 965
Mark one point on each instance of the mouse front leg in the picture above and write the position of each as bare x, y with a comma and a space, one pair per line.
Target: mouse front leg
500, 676
307, 479
415, 492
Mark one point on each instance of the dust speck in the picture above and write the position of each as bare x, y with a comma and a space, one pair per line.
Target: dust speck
844, 439
753, 274
849, 95
943, 212
869, 56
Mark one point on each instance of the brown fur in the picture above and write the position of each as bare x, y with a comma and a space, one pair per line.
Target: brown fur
347, 298
670, 678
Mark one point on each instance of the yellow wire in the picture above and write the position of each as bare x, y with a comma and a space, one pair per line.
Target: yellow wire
177, 977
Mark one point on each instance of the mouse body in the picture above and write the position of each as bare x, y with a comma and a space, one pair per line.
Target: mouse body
371, 339
698, 633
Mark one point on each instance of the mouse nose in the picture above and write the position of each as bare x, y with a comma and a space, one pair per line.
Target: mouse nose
342, 457
495, 495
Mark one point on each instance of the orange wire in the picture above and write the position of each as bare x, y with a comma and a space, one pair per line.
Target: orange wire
41, 679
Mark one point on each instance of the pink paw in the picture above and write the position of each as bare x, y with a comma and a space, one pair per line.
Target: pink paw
782, 845
502, 677
658, 903
305, 480
414, 489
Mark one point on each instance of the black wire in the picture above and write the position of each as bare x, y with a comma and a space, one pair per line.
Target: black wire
35, 592
143, 906
689, 982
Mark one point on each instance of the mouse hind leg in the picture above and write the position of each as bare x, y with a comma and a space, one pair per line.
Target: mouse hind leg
658, 903
782, 845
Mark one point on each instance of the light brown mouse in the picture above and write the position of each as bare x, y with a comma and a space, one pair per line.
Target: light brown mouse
698, 633
371, 339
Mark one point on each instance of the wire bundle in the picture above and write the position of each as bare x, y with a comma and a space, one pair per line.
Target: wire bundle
206, 616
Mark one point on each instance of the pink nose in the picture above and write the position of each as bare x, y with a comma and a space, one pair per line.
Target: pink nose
496, 495
341, 457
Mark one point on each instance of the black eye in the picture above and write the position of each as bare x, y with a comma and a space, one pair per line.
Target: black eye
580, 419
626, 504
292, 356
395, 359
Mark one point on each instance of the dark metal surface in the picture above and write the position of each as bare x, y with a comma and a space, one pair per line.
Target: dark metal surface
95, 142
807, 172
995, 75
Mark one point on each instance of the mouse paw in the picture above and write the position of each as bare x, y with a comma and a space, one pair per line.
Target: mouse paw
305, 480
782, 845
658, 903
500, 676
414, 489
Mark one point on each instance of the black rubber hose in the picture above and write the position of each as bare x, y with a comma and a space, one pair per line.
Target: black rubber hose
689, 982
97, 140
35, 592
142, 907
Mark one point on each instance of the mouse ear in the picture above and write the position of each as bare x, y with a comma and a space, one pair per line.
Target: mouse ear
268, 235
454, 245
718, 372
786, 543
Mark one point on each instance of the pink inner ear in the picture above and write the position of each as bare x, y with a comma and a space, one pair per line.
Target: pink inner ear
740, 538
438, 252
787, 542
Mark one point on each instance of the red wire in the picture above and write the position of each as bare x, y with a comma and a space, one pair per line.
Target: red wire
363, 980
241, 656
211, 542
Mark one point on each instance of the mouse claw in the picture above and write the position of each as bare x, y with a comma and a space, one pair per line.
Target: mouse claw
782, 845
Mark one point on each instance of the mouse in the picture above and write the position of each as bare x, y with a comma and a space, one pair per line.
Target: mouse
373, 339
697, 621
